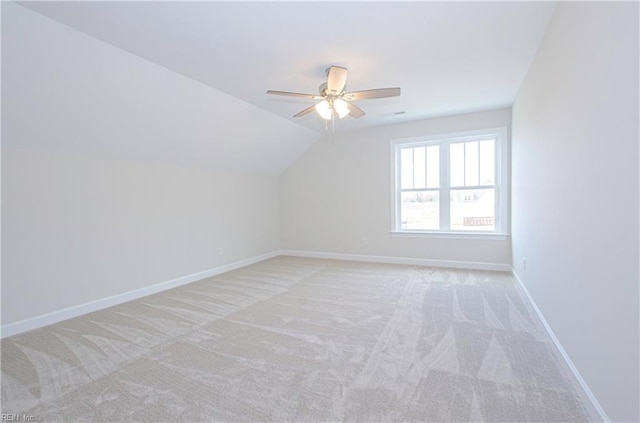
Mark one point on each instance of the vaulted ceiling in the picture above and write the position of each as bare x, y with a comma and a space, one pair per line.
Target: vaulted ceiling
448, 57
185, 83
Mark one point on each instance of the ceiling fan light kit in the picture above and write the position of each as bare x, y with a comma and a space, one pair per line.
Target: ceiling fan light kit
326, 108
335, 99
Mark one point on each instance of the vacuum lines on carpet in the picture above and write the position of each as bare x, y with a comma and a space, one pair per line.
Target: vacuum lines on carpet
299, 340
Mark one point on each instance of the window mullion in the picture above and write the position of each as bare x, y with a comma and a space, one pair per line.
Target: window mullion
478, 161
426, 163
445, 195
464, 163
499, 187
398, 204
413, 166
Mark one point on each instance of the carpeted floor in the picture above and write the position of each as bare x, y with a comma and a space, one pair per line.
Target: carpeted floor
304, 340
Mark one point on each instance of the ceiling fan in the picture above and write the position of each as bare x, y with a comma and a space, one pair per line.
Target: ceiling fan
335, 99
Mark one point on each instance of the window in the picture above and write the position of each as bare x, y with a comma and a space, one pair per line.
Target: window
454, 183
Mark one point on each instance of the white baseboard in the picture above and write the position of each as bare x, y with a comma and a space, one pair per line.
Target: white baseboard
401, 260
78, 310
588, 398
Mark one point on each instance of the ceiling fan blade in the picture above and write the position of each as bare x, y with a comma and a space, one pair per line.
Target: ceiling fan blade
290, 94
305, 111
370, 94
336, 79
355, 111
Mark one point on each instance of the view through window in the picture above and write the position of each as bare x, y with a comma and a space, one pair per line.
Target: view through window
449, 184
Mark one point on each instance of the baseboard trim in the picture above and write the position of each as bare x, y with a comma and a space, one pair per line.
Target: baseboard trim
78, 310
400, 260
587, 396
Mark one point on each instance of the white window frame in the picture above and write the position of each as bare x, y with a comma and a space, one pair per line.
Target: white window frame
444, 141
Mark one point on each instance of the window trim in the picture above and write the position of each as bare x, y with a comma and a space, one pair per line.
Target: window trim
501, 177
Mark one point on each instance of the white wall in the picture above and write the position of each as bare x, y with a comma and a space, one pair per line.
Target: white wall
78, 228
575, 193
112, 171
339, 192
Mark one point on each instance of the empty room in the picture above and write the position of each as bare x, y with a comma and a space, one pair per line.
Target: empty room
320, 211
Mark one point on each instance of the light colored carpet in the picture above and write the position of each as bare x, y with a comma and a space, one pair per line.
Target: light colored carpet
293, 339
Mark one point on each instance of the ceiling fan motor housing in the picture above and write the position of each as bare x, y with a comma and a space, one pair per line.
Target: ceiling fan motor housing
325, 93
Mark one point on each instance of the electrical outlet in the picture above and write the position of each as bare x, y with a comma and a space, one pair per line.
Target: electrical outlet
524, 263
365, 240
220, 251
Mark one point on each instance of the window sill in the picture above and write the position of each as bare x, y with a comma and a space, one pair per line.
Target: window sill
450, 235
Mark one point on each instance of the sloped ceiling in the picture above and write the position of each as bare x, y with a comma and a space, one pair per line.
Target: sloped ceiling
448, 58
64, 91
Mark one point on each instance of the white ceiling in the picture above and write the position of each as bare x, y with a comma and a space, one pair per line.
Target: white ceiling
448, 57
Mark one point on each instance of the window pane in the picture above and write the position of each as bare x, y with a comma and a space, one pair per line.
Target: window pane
420, 210
457, 164
419, 159
406, 168
433, 166
471, 163
487, 162
473, 209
